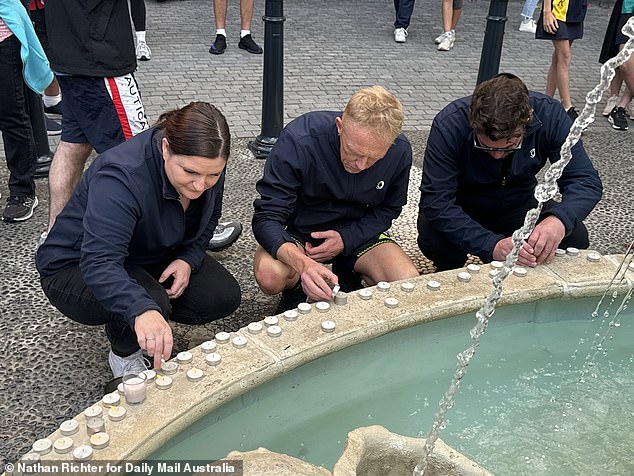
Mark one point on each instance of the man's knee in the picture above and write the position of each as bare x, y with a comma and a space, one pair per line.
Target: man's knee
269, 278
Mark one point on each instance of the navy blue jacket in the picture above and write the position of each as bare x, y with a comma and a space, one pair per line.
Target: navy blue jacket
462, 186
306, 188
125, 211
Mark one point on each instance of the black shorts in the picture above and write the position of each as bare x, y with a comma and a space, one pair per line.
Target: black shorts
566, 31
621, 39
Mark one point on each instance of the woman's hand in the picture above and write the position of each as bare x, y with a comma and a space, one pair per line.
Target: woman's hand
550, 23
181, 271
154, 335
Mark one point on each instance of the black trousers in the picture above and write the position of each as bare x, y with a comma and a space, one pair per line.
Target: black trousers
17, 135
213, 293
445, 255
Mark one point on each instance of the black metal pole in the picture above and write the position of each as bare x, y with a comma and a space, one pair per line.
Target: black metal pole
493, 39
273, 80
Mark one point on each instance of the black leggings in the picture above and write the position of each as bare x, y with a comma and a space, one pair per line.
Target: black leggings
212, 293
137, 10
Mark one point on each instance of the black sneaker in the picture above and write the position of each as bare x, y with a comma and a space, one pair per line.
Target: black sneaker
219, 45
43, 165
247, 43
53, 128
225, 235
572, 113
19, 208
618, 118
54, 109
291, 298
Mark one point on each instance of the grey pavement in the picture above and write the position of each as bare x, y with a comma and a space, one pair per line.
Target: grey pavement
52, 368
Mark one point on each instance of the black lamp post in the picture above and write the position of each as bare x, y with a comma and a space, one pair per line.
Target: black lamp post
273, 79
493, 39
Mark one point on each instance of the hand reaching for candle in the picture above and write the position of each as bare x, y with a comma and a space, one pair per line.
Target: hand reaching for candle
154, 335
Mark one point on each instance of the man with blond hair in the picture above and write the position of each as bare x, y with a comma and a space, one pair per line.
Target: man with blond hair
331, 187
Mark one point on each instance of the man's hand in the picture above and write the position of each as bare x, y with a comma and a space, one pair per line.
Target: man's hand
154, 335
181, 271
524, 258
331, 246
545, 239
315, 277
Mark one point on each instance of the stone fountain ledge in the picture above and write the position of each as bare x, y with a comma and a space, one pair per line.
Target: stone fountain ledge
166, 413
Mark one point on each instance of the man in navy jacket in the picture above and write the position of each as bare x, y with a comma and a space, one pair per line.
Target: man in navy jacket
479, 176
332, 185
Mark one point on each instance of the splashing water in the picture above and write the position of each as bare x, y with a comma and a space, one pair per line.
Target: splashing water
543, 192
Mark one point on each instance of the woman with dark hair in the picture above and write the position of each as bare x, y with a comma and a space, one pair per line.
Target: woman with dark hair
128, 250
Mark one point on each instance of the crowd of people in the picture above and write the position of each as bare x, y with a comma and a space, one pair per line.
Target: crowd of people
127, 239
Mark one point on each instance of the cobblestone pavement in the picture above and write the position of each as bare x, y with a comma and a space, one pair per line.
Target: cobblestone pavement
52, 368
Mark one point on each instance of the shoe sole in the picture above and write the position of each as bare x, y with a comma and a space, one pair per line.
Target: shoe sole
231, 242
216, 52
26, 217
258, 52
143, 58
614, 126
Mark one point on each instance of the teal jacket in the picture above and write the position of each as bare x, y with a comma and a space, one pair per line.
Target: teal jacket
36, 71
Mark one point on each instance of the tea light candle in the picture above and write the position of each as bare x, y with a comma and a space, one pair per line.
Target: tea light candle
169, 368
134, 388
271, 321
497, 264
560, 252
29, 459
290, 315
631, 266
82, 453
184, 357
120, 389
116, 414
194, 375
222, 337
494, 272
365, 294
341, 299
163, 382
572, 251
99, 440
254, 328
63, 445
150, 375
69, 427
213, 358
42, 446
274, 331
328, 326
391, 302
111, 399
93, 411
433, 285
95, 425
464, 277
473, 268
304, 307
593, 256
239, 342
407, 287
322, 306
519, 271
335, 290
383, 286
208, 347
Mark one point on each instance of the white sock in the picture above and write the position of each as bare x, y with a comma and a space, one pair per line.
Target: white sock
51, 100
140, 36
244, 33
221, 31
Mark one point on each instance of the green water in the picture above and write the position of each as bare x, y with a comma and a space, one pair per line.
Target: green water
521, 408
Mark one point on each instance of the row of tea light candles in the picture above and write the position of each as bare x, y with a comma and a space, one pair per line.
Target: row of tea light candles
134, 386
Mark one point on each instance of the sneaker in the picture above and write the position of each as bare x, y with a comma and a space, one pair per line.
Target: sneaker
42, 166
53, 128
447, 42
630, 110
291, 298
122, 365
400, 35
219, 45
225, 235
439, 38
143, 51
528, 25
19, 208
247, 43
55, 109
610, 104
572, 113
618, 118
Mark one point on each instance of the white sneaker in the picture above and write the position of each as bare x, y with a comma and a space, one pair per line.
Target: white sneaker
630, 109
439, 38
447, 41
400, 35
122, 365
611, 104
143, 51
528, 25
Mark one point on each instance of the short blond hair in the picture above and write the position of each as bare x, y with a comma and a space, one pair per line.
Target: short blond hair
378, 109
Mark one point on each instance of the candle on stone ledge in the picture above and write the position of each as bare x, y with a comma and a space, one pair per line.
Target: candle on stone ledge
134, 388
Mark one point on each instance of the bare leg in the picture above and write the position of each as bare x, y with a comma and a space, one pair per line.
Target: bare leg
386, 262
551, 79
220, 13
455, 16
446, 11
66, 170
272, 275
562, 56
615, 84
246, 14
